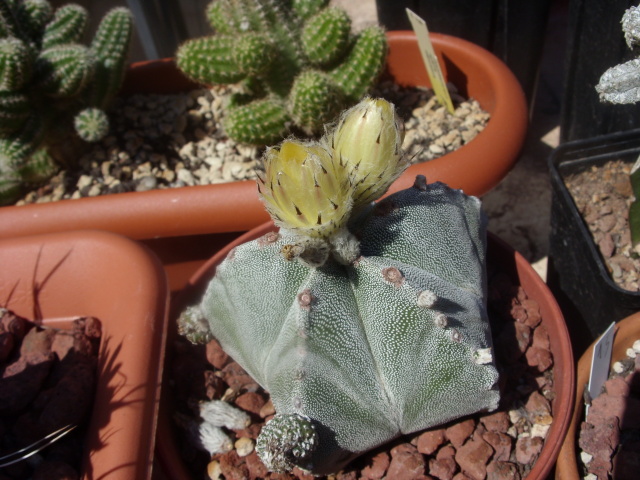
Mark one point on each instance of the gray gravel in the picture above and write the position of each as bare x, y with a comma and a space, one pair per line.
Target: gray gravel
165, 141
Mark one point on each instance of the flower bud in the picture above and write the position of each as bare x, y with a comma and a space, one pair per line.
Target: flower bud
368, 141
305, 190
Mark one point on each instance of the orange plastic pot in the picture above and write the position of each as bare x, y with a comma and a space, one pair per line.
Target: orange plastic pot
234, 207
627, 332
501, 258
57, 277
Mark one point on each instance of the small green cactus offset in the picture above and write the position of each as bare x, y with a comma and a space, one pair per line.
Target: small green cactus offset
53, 90
621, 84
298, 61
363, 321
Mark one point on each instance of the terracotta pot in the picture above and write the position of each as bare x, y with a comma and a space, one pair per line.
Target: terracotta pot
499, 255
57, 277
234, 207
627, 332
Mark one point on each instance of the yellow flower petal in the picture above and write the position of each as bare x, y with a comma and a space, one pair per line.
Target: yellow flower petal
305, 190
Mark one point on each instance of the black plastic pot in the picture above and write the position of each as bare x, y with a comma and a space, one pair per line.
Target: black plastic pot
577, 274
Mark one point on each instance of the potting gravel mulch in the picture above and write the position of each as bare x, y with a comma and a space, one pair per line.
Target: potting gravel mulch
499, 445
165, 141
609, 438
47, 379
603, 195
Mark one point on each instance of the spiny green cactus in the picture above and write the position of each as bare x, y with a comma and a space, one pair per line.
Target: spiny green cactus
299, 62
47, 78
621, 84
363, 322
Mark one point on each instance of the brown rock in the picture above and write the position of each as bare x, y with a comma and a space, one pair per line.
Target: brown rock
607, 246
600, 439
216, 356
458, 433
539, 358
37, 341
606, 223
533, 312
429, 441
499, 470
406, 463
378, 467
541, 338
528, 449
600, 467
617, 387
501, 444
496, 422
232, 466
538, 408
251, 402
267, 409
237, 378
443, 468
605, 406
446, 452
519, 313
461, 476
214, 385
473, 457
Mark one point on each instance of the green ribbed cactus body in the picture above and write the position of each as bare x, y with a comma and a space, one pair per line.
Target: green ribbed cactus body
46, 73
273, 45
395, 342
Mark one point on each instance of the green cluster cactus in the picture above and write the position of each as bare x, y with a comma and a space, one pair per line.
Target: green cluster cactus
363, 321
621, 84
299, 63
53, 89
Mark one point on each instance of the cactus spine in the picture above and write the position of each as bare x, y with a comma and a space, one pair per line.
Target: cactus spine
298, 58
53, 90
363, 322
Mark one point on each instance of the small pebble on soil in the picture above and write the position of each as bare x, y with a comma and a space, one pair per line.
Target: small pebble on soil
47, 379
602, 195
167, 141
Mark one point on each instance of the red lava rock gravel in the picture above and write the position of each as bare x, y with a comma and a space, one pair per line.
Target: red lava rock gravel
610, 435
47, 381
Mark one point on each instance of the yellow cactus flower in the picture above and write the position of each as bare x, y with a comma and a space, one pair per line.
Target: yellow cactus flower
305, 190
368, 141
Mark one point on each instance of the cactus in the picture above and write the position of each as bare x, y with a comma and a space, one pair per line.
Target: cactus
621, 84
49, 80
298, 61
364, 322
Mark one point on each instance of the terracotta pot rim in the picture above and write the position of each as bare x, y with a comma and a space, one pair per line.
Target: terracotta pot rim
564, 379
213, 208
78, 274
627, 331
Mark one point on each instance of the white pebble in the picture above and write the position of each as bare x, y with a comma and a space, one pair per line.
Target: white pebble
585, 457
538, 430
631, 353
618, 367
244, 446
636, 346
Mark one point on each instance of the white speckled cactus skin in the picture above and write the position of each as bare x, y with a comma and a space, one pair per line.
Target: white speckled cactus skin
396, 342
